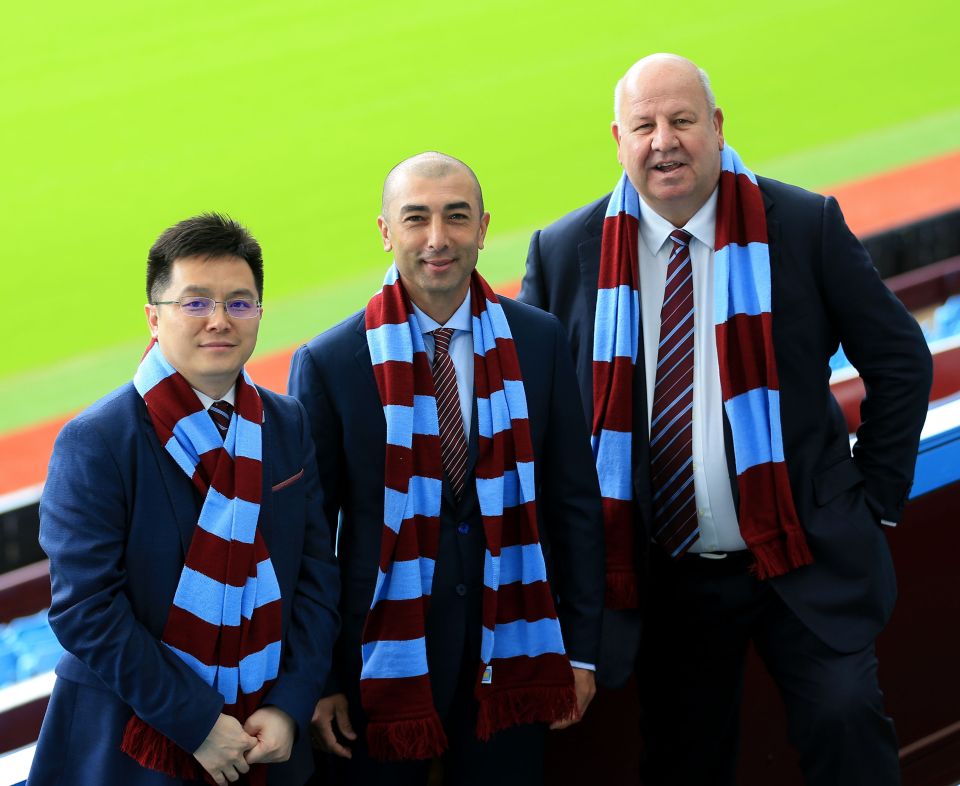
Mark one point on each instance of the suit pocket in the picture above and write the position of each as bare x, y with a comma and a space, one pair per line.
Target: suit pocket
833, 481
288, 482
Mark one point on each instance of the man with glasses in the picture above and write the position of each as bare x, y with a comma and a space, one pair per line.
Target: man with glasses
194, 587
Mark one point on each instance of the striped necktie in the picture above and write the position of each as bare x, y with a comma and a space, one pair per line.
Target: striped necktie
671, 421
220, 412
453, 442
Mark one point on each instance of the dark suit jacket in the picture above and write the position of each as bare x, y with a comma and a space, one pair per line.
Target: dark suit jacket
825, 291
116, 518
333, 378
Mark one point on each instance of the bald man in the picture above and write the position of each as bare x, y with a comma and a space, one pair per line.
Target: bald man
703, 304
471, 599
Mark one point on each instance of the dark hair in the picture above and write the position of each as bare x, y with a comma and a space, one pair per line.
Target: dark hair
208, 235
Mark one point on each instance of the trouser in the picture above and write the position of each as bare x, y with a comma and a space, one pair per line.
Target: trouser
702, 615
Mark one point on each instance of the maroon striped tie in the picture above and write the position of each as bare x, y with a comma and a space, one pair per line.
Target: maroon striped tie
220, 412
671, 420
453, 443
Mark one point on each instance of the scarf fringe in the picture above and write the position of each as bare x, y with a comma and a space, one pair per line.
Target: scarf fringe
776, 557
411, 738
153, 750
524, 705
622, 591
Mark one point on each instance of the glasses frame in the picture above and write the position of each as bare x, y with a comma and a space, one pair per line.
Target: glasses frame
257, 303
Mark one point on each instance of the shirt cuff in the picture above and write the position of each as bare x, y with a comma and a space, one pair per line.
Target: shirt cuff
888, 523
579, 665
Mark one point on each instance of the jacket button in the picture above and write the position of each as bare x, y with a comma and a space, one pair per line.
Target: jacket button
461, 589
463, 529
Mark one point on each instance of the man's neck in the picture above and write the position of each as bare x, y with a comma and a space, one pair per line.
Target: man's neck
440, 309
216, 389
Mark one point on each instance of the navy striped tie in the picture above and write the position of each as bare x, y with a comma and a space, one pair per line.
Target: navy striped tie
453, 442
220, 412
671, 421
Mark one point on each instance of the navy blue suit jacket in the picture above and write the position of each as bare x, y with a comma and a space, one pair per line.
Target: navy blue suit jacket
825, 292
333, 378
116, 518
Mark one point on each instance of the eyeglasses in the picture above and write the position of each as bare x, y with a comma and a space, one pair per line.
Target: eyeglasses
197, 306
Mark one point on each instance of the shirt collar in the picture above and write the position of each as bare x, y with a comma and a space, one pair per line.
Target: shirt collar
655, 229
230, 397
462, 319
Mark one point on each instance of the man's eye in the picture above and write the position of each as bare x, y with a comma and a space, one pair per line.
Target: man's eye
239, 305
682, 121
193, 304
458, 217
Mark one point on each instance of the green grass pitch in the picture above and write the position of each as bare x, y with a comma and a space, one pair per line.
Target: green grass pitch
118, 119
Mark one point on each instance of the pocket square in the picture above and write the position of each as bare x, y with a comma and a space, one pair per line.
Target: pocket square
288, 482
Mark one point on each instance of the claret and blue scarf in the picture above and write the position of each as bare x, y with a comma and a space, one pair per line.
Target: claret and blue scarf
524, 675
225, 620
748, 378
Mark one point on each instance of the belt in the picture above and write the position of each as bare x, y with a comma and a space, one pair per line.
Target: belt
710, 563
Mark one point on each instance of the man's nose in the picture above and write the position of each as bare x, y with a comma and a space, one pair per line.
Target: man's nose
437, 234
664, 137
219, 319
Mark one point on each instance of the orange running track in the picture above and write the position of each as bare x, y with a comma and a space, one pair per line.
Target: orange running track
874, 204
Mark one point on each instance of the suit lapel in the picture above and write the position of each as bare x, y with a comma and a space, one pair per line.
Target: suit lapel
180, 491
266, 465
362, 355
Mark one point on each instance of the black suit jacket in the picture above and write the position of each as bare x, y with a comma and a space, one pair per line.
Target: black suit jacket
825, 292
333, 378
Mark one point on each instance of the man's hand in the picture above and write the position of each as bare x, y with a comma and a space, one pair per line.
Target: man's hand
221, 753
329, 711
586, 687
274, 731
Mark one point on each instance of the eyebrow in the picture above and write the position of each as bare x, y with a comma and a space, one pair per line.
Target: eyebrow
424, 209
194, 289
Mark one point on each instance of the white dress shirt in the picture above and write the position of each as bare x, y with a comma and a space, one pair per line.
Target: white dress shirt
716, 512
461, 352
230, 397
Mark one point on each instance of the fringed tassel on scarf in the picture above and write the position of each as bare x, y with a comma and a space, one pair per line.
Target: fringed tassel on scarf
400, 740
533, 704
157, 752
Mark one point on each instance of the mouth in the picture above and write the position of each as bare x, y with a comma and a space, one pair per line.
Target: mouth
668, 166
438, 263
217, 345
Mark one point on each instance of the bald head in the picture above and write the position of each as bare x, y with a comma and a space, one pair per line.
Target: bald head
431, 165
661, 62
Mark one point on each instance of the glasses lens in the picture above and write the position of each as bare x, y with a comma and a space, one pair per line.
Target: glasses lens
241, 309
198, 306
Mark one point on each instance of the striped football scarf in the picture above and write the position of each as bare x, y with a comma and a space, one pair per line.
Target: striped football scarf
225, 619
524, 675
748, 378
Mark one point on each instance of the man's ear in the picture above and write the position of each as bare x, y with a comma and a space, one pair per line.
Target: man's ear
153, 316
615, 130
384, 233
484, 225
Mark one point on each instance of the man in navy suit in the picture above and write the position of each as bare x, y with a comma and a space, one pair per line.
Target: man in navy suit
118, 515
434, 223
815, 625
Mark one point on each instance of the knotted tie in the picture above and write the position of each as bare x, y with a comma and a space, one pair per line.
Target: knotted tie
671, 422
453, 443
220, 412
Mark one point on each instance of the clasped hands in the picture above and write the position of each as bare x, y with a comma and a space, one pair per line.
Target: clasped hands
230, 749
